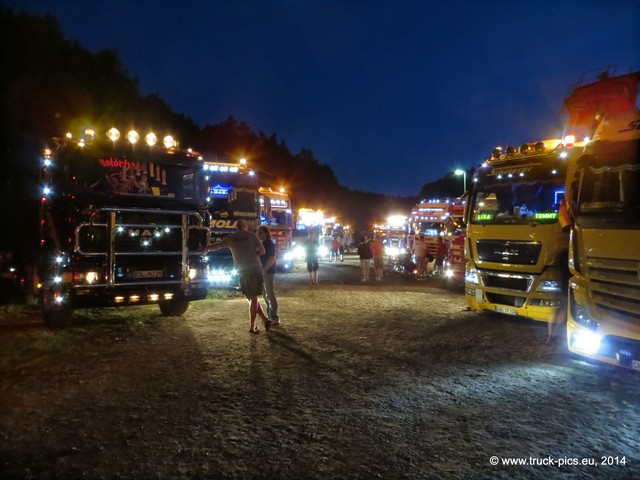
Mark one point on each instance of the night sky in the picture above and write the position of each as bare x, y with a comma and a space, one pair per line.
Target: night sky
390, 94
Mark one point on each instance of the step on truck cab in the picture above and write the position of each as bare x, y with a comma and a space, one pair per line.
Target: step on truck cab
121, 224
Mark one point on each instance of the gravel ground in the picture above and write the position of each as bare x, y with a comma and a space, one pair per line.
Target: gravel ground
393, 380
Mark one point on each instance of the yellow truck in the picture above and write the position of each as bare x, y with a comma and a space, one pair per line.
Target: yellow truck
603, 320
517, 243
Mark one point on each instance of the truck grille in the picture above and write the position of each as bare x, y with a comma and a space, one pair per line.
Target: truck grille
507, 281
149, 240
510, 300
615, 286
508, 251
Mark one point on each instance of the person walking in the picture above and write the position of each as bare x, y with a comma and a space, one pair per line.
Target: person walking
364, 252
335, 248
441, 253
268, 261
343, 246
420, 255
377, 250
245, 248
312, 253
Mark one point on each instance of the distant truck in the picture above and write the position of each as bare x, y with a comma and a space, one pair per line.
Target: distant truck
121, 224
276, 214
444, 217
232, 194
603, 320
455, 236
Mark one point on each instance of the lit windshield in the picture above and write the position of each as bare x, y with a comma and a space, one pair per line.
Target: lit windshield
500, 203
111, 176
611, 192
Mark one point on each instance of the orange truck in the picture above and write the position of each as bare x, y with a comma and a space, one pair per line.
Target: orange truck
277, 215
440, 218
455, 262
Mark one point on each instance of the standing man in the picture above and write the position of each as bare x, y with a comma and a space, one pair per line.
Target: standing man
377, 249
245, 247
364, 252
312, 254
441, 254
268, 261
420, 255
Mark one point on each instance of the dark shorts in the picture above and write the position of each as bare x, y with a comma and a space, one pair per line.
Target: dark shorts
312, 265
251, 282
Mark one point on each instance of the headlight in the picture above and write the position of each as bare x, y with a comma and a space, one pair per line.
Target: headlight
87, 278
549, 286
471, 276
588, 342
299, 252
289, 256
219, 275
91, 277
580, 314
324, 251
392, 251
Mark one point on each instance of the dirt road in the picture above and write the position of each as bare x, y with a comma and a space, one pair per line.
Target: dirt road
361, 381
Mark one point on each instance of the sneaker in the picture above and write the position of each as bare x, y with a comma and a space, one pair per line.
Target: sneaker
267, 324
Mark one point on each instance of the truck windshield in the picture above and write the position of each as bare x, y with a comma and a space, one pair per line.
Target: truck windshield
517, 203
123, 178
229, 202
611, 192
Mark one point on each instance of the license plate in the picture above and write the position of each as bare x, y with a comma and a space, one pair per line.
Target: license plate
508, 311
635, 364
147, 274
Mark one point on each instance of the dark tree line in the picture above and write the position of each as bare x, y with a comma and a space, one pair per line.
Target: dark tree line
50, 85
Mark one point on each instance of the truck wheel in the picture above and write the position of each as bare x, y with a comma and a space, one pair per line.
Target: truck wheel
174, 308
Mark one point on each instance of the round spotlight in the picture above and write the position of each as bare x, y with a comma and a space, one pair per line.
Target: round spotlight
539, 147
133, 137
524, 148
169, 141
497, 152
511, 151
113, 134
151, 139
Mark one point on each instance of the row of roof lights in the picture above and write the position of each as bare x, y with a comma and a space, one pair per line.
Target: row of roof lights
132, 136
537, 147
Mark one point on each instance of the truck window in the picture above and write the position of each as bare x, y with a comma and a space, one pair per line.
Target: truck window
517, 202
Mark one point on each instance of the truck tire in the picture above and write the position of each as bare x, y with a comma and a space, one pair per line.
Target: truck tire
173, 308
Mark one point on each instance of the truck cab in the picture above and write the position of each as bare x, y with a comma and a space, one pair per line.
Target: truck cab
603, 321
121, 224
516, 240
